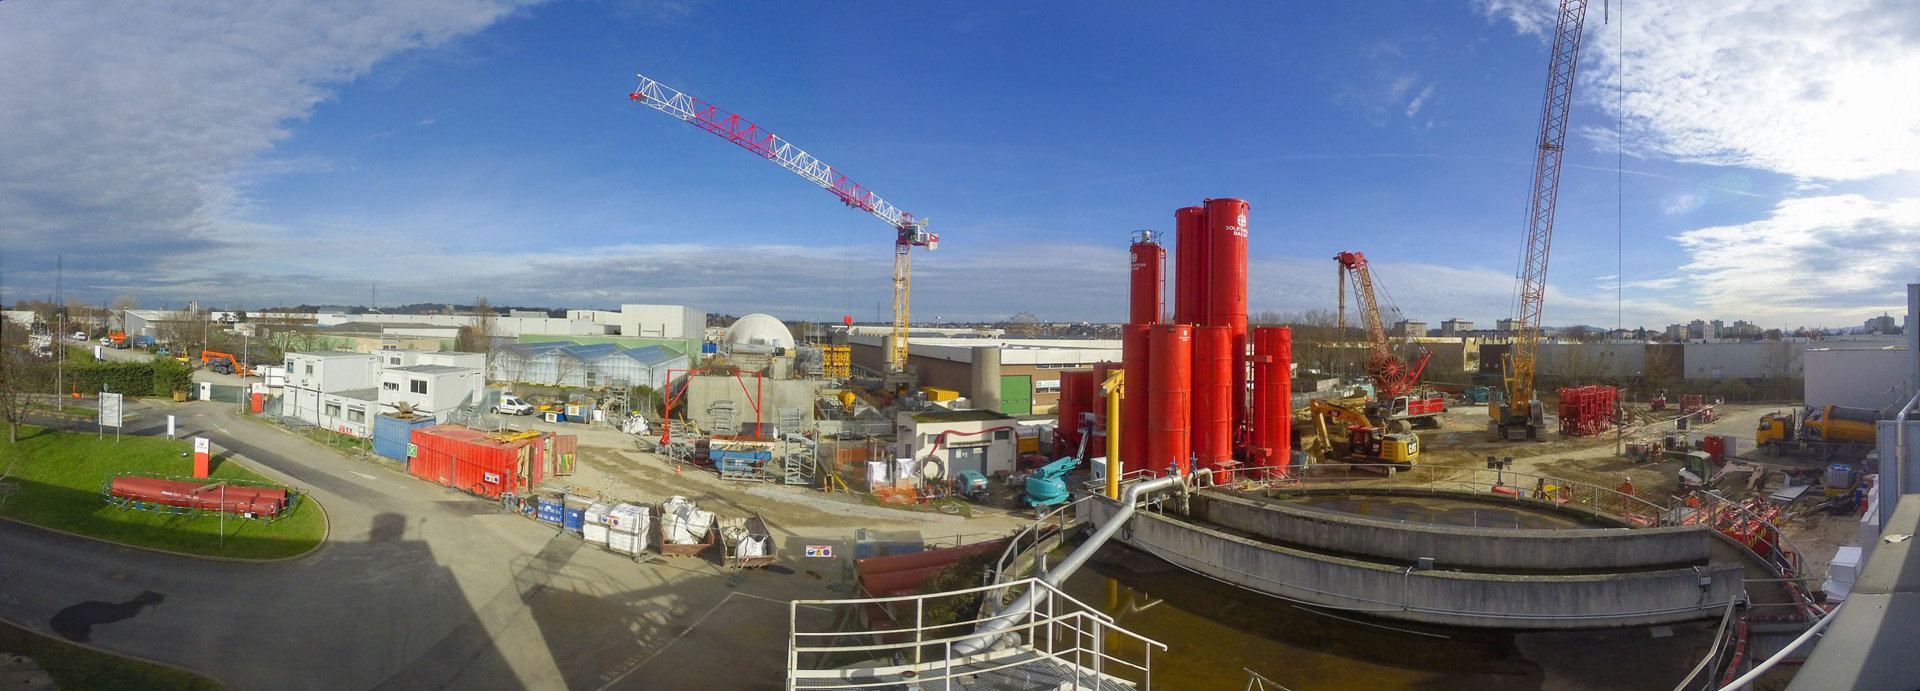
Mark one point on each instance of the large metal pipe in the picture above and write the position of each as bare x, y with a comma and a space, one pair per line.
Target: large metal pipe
1212, 395
1272, 396
1115, 388
1147, 278
991, 629
986, 378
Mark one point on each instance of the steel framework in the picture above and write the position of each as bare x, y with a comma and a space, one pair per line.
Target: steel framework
1546, 189
1392, 377
727, 125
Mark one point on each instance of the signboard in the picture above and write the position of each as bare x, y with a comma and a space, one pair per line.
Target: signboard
200, 445
492, 478
110, 409
820, 551
413, 451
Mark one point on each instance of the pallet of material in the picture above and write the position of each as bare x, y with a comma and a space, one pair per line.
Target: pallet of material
680, 519
748, 543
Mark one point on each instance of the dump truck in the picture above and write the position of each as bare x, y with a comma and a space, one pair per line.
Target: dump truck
1824, 432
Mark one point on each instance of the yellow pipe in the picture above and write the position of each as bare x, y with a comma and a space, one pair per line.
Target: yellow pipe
1115, 389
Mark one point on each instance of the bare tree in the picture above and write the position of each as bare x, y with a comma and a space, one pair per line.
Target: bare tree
1024, 324
486, 329
21, 378
125, 302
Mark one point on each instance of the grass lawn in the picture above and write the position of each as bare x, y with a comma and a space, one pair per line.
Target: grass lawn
75, 667
60, 474
70, 410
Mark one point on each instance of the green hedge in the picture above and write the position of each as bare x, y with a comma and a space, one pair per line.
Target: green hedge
157, 377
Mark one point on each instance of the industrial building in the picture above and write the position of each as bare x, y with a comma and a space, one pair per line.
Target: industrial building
344, 391
982, 441
1012, 376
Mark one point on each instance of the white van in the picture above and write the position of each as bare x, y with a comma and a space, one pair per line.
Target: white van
513, 405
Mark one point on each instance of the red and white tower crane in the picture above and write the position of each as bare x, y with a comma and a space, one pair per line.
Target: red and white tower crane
910, 232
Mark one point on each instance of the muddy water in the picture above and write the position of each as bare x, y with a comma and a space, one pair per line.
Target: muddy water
1214, 631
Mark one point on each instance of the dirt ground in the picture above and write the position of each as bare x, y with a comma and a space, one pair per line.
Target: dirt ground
1462, 441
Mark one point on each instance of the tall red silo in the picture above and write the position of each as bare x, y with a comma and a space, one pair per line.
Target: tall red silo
1067, 431
1169, 401
1225, 277
1272, 397
1148, 279
1189, 260
1212, 392
1136, 359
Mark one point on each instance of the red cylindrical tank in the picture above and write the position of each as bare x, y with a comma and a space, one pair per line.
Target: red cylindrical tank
1136, 358
1272, 397
1067, 431
1212, 391
1148, 283
1169, 402
1225, 275
1189, 258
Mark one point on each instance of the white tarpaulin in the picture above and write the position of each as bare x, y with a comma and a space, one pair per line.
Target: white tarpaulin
752, 547
636, 425
877, 472
903, 467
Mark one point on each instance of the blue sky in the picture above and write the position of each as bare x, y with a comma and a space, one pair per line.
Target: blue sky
275, 152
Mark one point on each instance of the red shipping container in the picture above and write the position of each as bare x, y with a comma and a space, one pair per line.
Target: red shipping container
468, 459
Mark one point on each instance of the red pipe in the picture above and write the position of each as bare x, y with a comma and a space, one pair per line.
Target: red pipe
194, 495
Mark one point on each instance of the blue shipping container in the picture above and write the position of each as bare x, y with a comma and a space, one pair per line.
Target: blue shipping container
709, 347
392, 436
550, 512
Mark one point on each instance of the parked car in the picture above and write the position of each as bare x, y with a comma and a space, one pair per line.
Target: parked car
513, 405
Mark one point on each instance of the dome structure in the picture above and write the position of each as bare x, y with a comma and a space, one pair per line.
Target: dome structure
759, 329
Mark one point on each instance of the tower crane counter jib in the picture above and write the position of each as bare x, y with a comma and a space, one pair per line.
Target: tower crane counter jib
911, 233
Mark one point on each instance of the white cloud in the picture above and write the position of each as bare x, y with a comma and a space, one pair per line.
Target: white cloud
1680, 204
1815, 259
129, 129
1413, 108
1813, 90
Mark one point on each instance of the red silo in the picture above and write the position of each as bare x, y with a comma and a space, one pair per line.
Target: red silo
1137, 360
1212, 391
1148, 279
1169, 402
1226, 289
1067, 433
1189, 260
1272, 397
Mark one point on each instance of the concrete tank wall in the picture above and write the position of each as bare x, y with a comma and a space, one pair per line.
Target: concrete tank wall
1439, 597
1454, 546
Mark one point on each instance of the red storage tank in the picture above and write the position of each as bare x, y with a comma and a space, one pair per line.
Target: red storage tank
1067, 434
1225, 277
1212, 444
1136, 358
1169, 402
1189, 260
468, 459
1272, 397
1148, 281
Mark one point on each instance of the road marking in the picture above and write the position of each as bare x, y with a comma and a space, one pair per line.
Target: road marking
361, 474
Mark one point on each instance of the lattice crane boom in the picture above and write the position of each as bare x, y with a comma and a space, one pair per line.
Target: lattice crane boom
910, 233
1391, 374
1520, 362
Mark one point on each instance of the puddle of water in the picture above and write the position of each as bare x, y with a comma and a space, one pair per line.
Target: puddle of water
76, 622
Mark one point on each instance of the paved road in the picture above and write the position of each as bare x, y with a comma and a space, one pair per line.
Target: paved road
417, 588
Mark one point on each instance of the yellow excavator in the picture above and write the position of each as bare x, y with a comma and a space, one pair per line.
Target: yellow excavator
1365, 441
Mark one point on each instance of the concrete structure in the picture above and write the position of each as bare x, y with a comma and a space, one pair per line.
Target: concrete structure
1868, 645
409, 358
1738, 360
436, 390
747, 394
758, 330
1451, 546
1858, 377
1453, 328
24, 318
503, 326
1439, 596
1882, 324
1408, 328
1029, 369
1591, 361
983, 441
1702, 330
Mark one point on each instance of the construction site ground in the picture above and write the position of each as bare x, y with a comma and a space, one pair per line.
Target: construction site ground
1463, 441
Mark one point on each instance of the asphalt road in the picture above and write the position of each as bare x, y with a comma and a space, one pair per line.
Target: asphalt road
418, 587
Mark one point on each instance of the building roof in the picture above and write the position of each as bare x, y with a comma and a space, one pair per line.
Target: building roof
975, 415
590, 352
370, 395
332, 354
651, 356
431, 369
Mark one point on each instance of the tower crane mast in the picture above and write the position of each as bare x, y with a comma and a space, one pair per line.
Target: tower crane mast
910, 232
1521, 410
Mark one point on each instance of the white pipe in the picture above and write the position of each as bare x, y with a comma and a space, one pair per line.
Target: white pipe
1782, 655
1897, 465
992, 629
